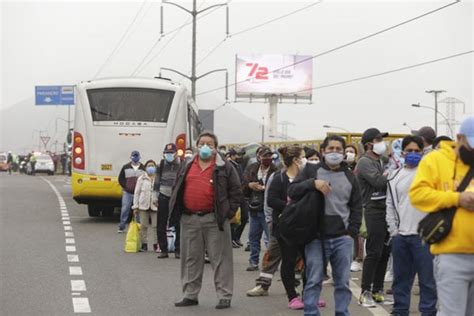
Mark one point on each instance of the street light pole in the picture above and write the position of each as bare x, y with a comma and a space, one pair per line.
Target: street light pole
436, 112
335, 127
436, 93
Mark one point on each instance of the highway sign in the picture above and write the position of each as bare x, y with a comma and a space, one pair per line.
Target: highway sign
54, 95
45, 140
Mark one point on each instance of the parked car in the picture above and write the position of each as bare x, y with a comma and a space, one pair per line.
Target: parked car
44, 163
3, 162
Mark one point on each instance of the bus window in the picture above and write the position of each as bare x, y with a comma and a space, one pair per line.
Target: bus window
130, 104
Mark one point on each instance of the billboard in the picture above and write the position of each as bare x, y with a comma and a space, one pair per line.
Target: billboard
259, 75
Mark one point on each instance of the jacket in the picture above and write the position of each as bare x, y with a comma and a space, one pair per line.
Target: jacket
145, 198
342, 207
434, 188
128, 177
251, 175
227, 192
373, 184
277, 197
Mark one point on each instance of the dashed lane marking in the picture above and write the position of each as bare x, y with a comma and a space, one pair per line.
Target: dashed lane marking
74, 270
78, 285
81, 305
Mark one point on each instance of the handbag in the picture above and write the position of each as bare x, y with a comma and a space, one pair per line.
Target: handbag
436, 226
132, 241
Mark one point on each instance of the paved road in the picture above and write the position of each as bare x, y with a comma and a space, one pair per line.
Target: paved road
38, 235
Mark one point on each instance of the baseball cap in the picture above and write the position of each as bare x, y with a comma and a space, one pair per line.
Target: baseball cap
427, 133
371, 134
467, 129
135, 153
169, 148
265, 151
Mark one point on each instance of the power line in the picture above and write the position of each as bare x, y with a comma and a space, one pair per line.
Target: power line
140, 68
376, 74
122, 39
255, 27
342, 46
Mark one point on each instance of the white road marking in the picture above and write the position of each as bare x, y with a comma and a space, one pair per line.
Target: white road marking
81, 305
72, 258
78, 285
74, 270
71, 248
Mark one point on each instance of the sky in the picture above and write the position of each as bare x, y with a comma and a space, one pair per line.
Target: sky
65, 42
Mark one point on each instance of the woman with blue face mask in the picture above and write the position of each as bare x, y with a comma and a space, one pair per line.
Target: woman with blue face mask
145, 202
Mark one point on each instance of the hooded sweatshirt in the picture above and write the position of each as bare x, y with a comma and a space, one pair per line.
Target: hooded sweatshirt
434, 188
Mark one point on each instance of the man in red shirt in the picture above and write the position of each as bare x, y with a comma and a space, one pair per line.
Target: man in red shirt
206, 195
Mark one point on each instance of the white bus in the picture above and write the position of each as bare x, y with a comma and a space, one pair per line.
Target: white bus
116, 116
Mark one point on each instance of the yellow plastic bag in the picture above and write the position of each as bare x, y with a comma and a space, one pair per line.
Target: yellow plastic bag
237, 217
132, 241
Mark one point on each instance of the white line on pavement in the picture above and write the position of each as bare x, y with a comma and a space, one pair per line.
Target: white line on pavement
67, 228
78, 285
377, 311
69, 234
70, 241
66, 223
74, 270
81, 305
72, 258
71, 248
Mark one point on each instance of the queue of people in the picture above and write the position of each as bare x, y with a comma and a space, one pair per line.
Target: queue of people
371, 207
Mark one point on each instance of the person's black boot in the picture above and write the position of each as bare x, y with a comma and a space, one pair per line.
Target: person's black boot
223, 304
186, 302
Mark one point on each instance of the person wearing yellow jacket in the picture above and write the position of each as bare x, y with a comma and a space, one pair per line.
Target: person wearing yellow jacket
434, 188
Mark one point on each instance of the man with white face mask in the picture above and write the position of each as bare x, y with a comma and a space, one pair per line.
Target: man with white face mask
370, 172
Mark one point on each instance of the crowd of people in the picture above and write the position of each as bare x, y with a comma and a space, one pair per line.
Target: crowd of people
366, 206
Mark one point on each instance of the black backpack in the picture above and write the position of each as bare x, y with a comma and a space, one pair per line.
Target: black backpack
302, 221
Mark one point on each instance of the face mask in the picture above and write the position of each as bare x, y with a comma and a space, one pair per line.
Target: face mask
333, 159
266, 162
188, 155
205, 152
466, 155
313, 162
350, 157
169, 157
303, 163
150, 170
427, 150
412, 159
136, 159
379, 148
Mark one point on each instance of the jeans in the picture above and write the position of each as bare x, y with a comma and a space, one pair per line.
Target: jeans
378, 252
454, 275
127, 201
411, 257
339, 254
257, 227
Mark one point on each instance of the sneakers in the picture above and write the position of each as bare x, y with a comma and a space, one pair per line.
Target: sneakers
378, 297
366, 300
235, 244
355, 266
162, 255
296, 304
223, 303
328, 281
247, 248
252, 267
257, 291
121, 231
238, 242
144, 248
321, 303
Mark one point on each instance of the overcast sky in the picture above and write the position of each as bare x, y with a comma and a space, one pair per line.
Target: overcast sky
65, 42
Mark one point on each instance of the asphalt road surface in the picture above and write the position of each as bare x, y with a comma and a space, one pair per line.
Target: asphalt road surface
56, 260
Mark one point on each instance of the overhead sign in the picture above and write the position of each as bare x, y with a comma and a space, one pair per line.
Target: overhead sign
259, 75
45, 140
54, 95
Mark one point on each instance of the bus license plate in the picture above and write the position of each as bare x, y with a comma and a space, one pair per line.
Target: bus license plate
106, 167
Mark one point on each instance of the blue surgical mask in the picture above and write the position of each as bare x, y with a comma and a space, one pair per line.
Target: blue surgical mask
412, 159
151, 170
205, 152
136, 159
169, 157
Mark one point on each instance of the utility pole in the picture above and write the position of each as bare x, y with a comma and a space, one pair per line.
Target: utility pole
436, 93
194, 13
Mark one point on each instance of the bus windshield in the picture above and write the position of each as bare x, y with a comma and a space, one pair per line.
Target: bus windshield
130, 104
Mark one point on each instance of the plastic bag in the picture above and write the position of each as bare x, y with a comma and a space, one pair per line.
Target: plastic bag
132, 241
237, 217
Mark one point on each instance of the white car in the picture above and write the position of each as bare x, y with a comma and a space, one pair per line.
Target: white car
44, 163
